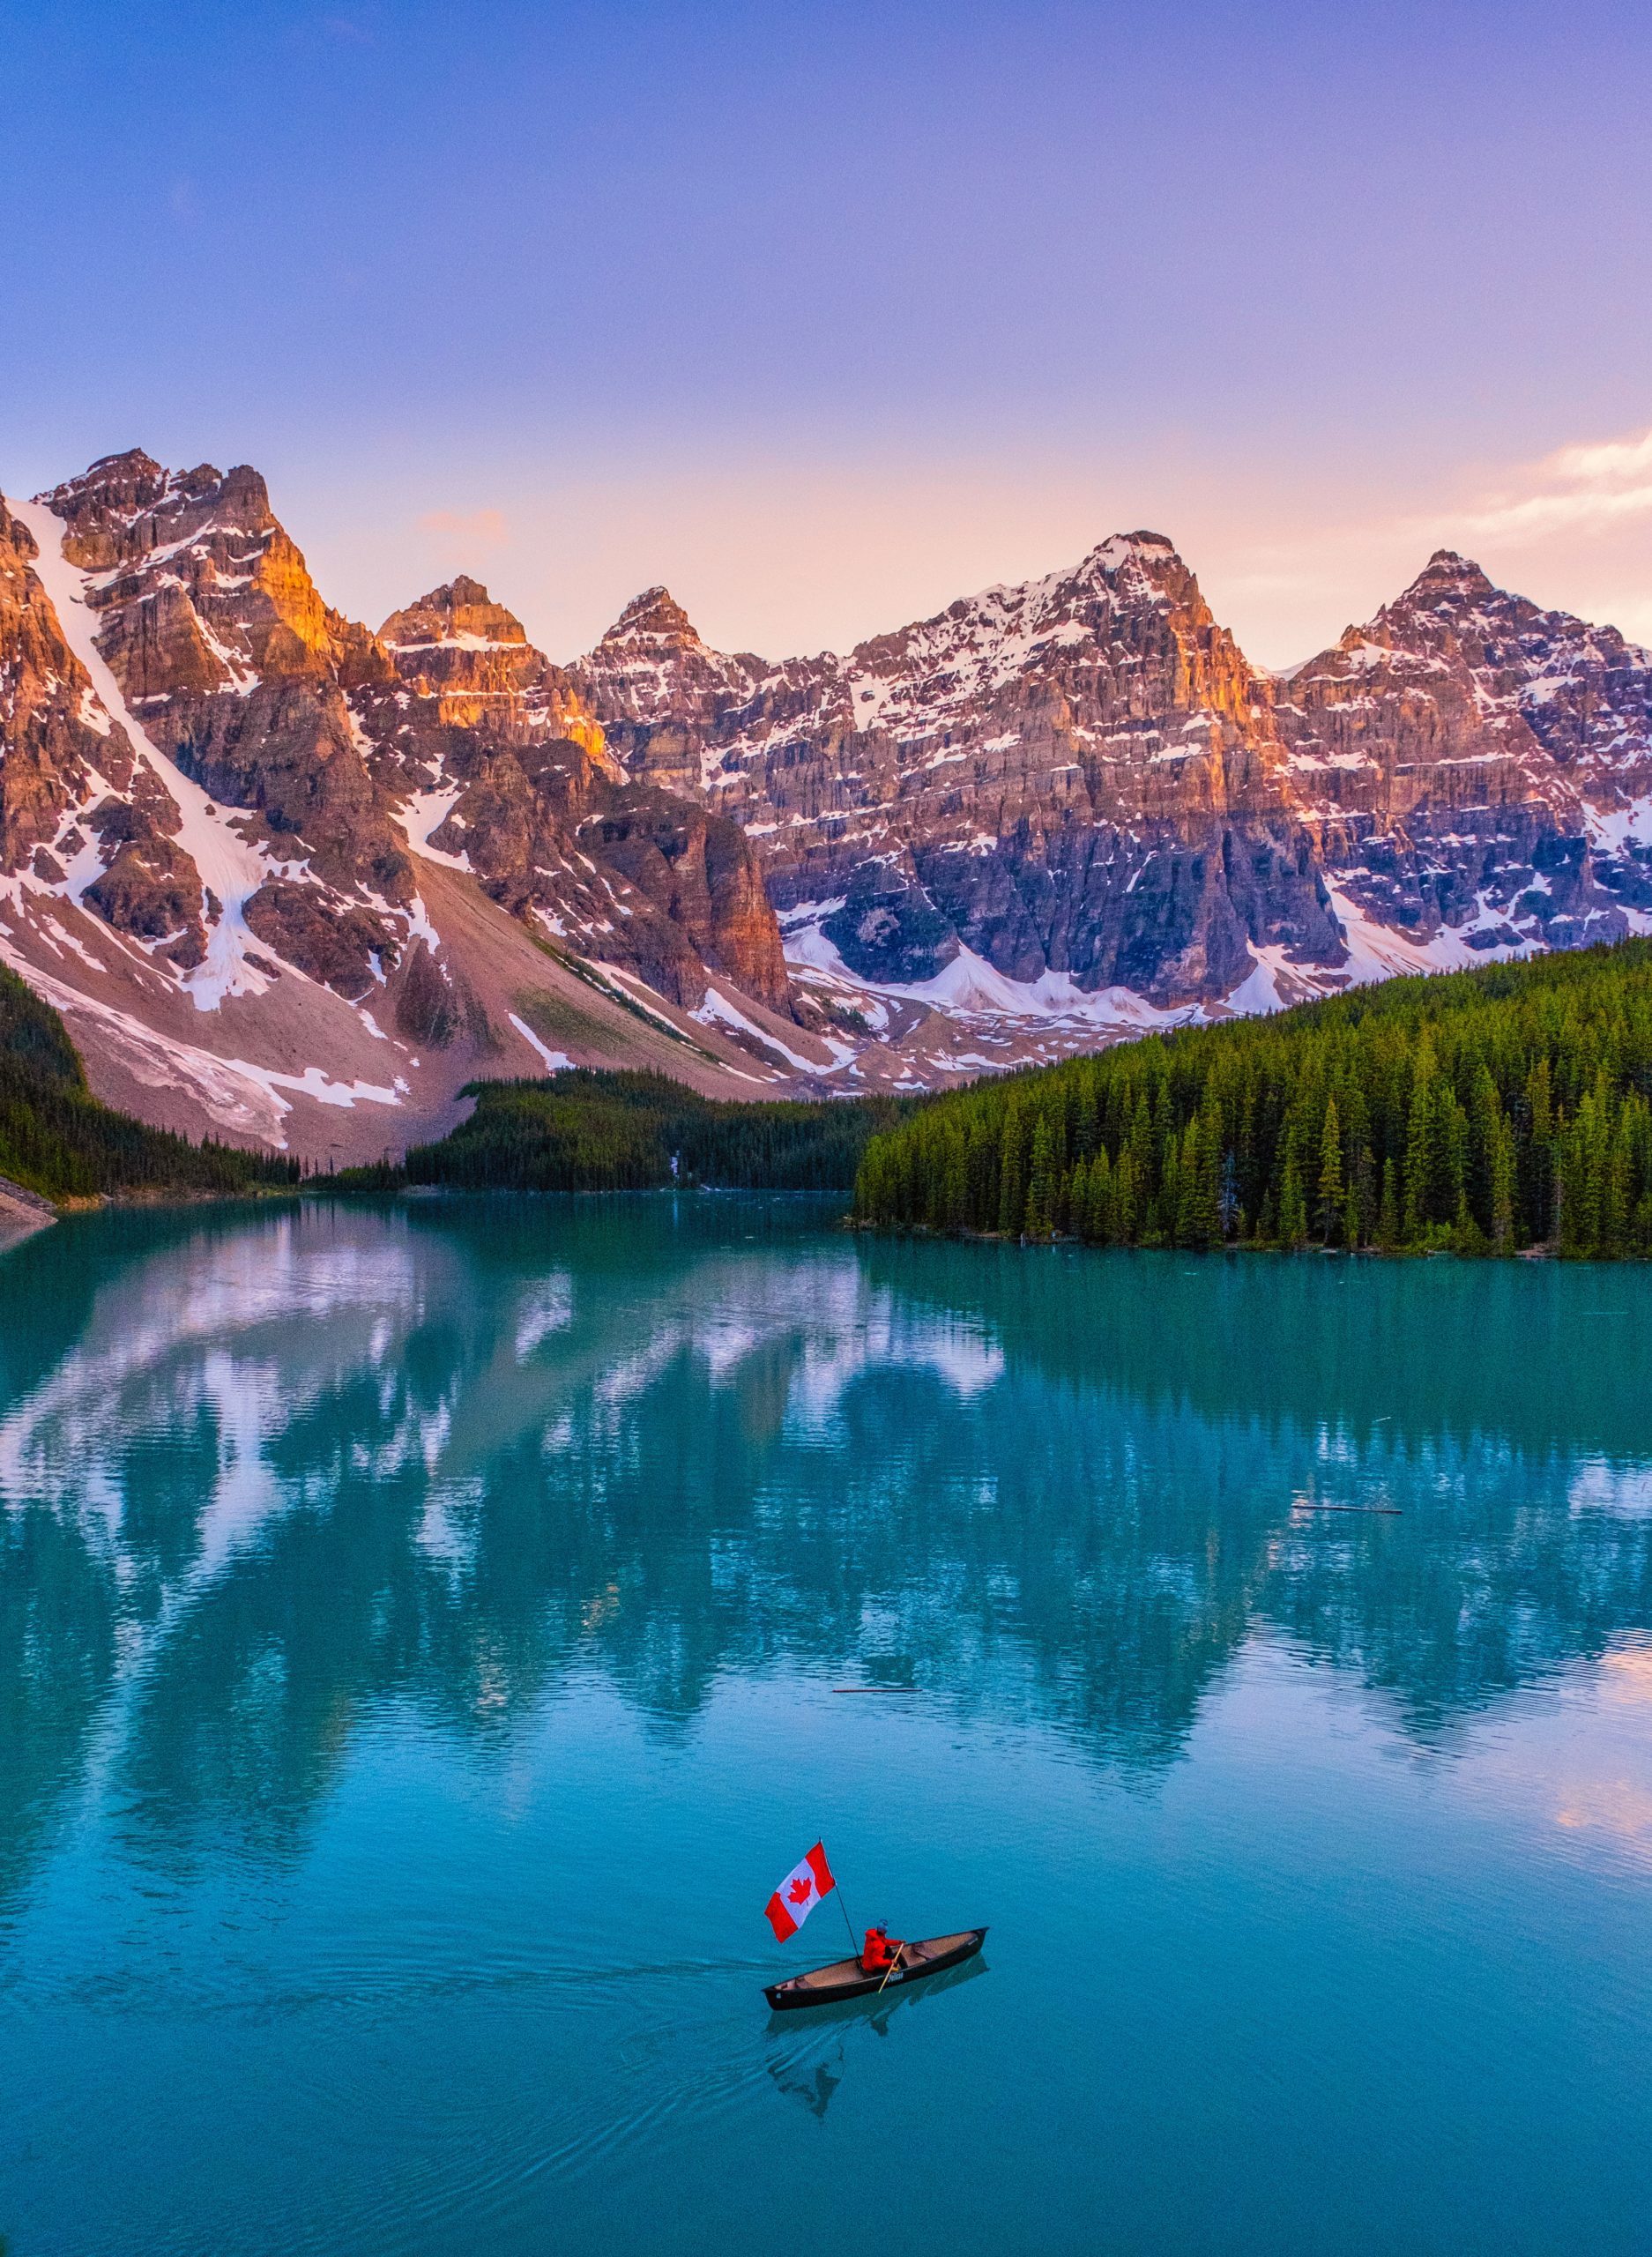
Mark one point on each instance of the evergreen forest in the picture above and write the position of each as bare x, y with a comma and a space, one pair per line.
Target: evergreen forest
594, 1131
58, 1141
1480, 1111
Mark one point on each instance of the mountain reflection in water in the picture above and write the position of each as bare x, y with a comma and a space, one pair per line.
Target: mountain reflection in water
263, 1472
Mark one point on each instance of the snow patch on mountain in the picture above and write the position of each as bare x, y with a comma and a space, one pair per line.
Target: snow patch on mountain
554, 1061
229, 866
969, 988
425, 812
721, 1009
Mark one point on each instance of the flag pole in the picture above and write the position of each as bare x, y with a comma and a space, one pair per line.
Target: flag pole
837, 1892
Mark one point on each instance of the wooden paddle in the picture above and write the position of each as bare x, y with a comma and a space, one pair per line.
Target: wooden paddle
890, 1970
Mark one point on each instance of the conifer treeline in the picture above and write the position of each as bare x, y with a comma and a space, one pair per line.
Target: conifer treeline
56, 1139
589, 1130
1482, 1112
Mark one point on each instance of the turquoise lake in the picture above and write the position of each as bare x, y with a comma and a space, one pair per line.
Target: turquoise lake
421, 1635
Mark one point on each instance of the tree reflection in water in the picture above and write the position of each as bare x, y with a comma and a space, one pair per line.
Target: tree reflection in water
263, 1472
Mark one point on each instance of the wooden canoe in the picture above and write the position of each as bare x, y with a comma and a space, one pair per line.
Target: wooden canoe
846, 1978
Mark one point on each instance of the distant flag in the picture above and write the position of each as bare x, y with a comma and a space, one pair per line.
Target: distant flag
798, 1893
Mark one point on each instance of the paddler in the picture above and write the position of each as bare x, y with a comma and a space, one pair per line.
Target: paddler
880, 1950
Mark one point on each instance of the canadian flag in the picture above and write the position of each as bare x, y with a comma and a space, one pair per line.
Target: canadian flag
798, 1893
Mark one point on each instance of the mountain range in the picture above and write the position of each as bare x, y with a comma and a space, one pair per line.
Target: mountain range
296, 883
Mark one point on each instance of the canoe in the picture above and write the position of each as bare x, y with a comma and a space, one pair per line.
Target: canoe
846, 1978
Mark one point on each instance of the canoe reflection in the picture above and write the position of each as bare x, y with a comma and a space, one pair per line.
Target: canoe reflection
812, 2066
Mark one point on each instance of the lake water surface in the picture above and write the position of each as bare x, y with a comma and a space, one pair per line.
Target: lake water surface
420, 1630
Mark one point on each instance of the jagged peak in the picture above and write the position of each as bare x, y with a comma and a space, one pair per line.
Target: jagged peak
113, 494
132, 462
1141, 548
1447, 573
1449, 590
655, 613
460, 610
1151, 554
118, 484
1132, 568
463, 590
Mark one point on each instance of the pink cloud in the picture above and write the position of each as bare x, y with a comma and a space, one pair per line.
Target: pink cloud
484, 528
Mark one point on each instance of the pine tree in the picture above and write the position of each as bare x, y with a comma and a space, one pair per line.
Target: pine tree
1540, 1131
1102, 1226
1041, 1187
1422, 1147
1230, 1213
1293, 1210
1125, 1205
1198, 1207
1504, 1183
1087, 1130
1331, 1186
1012, 1179
1078, 1200
1389, 1208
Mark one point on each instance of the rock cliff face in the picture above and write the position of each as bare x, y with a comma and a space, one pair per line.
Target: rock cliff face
1477, 767
540, 809
57, 745
1082, 777
220, 643
318, 732
77, 809
663, 693
217, 802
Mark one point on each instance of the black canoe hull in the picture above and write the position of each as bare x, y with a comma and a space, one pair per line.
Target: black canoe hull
824, 1986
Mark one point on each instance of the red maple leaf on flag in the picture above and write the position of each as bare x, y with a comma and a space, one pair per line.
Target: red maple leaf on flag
800, 1890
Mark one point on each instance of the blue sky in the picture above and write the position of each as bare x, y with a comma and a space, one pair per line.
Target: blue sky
825, 314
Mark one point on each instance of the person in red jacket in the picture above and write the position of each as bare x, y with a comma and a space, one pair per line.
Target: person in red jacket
881, 1949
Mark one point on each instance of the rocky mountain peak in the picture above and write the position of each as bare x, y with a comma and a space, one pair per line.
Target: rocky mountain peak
113, 489
1449, 584
652, 665
1128, 587
198, 585
1151, 551
656, 613
126, 506
460, 612
15, 535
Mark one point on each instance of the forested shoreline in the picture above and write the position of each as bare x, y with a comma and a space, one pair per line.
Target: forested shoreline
1484, 1112
584, 1130
61, 1143
1496, 1111
588, 1131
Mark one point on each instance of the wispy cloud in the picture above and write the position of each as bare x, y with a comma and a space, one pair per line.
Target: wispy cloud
481, 528
1599, 484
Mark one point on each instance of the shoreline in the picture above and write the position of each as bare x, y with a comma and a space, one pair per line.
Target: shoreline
22, 1212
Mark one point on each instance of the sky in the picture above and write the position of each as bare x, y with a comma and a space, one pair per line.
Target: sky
824, 315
